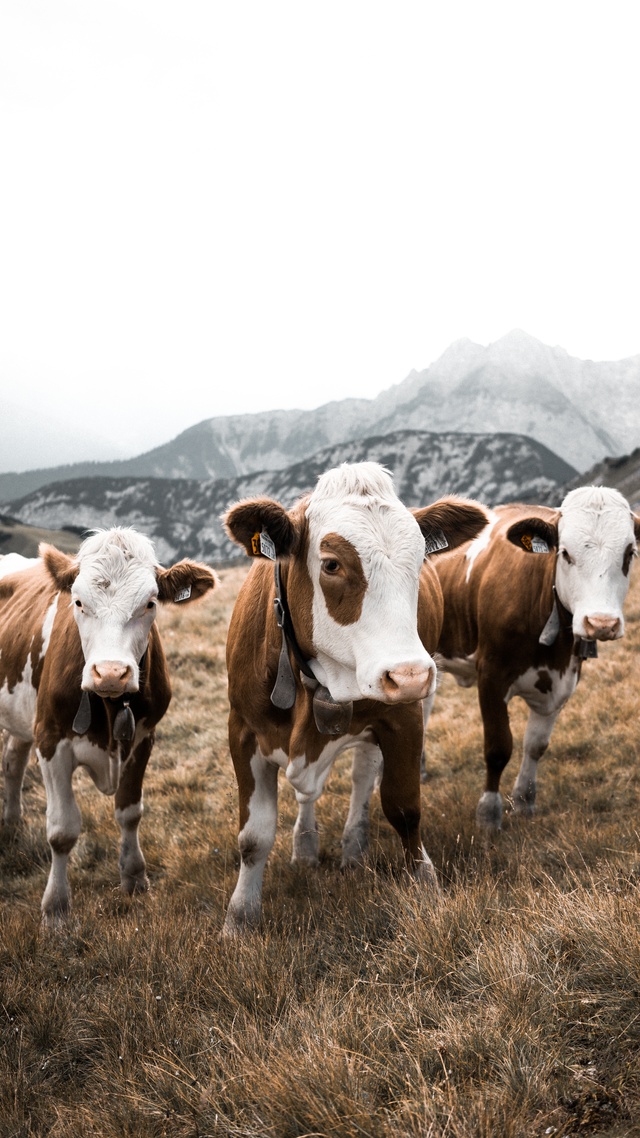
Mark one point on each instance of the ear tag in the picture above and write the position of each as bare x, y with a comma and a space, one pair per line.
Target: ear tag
539, 545
435, 541
267, 546
183, 595
255, 545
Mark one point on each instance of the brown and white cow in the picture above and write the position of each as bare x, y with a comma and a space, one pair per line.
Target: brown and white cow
83, 678
524, 604
361, 611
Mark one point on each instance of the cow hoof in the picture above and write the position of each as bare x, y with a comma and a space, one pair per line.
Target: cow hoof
524, 801
306, 847
354, 848
239, 923
134, 884
489, 811
425, 874
55, 918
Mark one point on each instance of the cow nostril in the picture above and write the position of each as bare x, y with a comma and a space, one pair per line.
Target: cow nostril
390, 683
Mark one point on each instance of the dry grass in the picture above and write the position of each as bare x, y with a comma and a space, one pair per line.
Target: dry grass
510, 1008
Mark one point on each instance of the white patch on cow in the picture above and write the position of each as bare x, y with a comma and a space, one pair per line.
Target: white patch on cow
308, 779
306, 839
18, 706
563, 686
366, 773
462, 668
110, 595
594, 531
255, 841
131, 861
63, 827
47, 625
104, 767
359, 503
15, 563
480, 543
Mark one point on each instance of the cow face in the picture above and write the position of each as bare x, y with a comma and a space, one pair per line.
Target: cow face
596, 540
355, 554
115, 585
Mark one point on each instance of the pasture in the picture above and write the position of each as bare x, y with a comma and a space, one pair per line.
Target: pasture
364, 1007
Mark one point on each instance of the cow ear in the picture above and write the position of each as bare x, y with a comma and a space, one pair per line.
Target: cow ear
60, 567
247, 521
450, 522
534, 535
185, 581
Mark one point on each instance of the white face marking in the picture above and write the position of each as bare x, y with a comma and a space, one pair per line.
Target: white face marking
595, 531
360, 505
114, 603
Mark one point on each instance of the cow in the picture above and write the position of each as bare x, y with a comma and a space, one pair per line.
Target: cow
329, 648
83, 679
524, 604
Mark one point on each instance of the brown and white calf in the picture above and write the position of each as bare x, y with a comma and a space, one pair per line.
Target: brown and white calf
524, 603
83, 678
361, 611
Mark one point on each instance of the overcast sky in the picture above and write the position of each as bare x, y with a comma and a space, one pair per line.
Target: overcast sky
213, 207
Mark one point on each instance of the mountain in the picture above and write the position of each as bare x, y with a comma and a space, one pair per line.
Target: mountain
182, 515
579, 409
622, 473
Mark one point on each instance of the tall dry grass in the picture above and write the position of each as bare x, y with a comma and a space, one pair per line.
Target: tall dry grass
509, 1007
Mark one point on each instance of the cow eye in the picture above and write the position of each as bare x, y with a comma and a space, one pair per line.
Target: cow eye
568, 559
330, 565
78, 604
151, 605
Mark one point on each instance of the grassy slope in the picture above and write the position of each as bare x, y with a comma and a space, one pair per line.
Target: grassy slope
24, 539
509, 1007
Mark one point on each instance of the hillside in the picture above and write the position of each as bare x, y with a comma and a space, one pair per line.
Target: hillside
621, 473
580, 409
16, 537
182, 515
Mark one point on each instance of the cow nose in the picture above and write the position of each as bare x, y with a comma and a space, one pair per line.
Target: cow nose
110, 677
407, 683
601, 626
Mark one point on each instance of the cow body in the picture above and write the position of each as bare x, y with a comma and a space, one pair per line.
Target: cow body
83, 679
366, 611
522, 604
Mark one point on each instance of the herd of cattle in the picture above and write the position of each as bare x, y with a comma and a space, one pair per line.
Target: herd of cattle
332, 646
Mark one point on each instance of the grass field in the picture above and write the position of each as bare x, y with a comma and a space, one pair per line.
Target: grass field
511, 1006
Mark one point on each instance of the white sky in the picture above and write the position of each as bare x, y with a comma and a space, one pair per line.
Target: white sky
212, 207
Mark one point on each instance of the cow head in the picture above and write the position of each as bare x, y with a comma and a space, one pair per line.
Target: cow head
594, 534
353, 555
115, 584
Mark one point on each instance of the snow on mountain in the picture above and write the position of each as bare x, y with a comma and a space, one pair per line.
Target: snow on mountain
183, 515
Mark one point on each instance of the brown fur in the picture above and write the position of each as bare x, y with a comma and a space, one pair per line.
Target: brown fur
345, 588
499, 615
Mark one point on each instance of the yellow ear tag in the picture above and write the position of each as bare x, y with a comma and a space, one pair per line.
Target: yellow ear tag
526, 542
255, 545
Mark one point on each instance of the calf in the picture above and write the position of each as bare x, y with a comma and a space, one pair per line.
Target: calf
524, 604
330, 649
83, 677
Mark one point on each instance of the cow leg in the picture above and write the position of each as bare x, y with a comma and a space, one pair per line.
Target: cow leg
63, 827
366, 770
427, 708
14, 763
401, 745
498, 744
258, 793
306, 839
536, 741
128, 812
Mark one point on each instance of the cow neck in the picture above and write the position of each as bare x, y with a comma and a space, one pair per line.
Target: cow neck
331, 717
584, 649
124, 724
